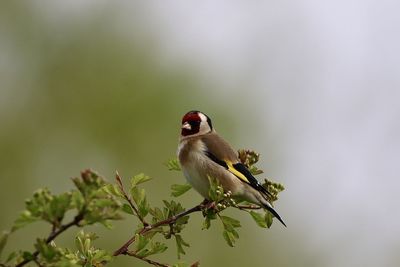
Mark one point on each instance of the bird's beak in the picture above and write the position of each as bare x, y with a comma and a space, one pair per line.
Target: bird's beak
186, 126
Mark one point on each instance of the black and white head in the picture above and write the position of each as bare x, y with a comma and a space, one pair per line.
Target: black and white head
195, 123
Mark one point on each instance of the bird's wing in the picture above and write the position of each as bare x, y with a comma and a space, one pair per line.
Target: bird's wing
219, 151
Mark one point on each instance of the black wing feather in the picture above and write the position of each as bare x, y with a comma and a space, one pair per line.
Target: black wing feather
240, 167
253, 182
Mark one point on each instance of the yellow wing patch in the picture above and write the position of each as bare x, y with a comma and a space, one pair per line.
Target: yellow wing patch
236, 172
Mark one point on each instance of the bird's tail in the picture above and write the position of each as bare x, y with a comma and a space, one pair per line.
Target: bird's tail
273, 211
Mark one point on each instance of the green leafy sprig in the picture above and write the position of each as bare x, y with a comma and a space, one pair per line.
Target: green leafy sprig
95, 201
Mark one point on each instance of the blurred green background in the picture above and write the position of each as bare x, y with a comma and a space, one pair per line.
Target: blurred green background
80, 94
311, 86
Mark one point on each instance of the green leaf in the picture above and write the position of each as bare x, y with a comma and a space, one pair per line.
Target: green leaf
46, 250
179, 245
215, 192
206, 223
259, 219
127, 209
229, 233
138, 194
112, 189
172, 208
230, 222
139, 197
87, 255
158, 247
229, 238
77, 200
173, 165
157, 214
268, 218
11, 256
141, 242
26, 255
23, 219
3, 241
255, 171
155, 248
179, 189
138, 179
143, 208
59, 206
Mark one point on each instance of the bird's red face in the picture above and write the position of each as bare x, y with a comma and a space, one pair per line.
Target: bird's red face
195, 122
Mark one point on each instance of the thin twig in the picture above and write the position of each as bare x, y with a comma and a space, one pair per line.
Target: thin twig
155, 263
128, 198
171, 220
75, 222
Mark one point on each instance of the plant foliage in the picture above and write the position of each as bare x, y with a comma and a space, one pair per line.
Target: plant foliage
93, 200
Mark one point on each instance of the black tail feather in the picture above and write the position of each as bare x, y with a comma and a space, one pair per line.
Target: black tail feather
276, 215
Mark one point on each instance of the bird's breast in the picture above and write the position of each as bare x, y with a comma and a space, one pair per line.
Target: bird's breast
194, 164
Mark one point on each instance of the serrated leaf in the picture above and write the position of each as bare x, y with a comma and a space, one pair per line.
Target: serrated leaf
59, 206
77, 200
23, 219
230, 221
155, 248
229, 238
268, 218
138, 179
127, 209
138, 194
157, 214
259, 219
173, 165
234, 233
179, 245
206, 223
139, 197
158, 247
143, 208
112, 189
141, 242
171, 208
179, 189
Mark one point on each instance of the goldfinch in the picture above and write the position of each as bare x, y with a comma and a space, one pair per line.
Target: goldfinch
202, 153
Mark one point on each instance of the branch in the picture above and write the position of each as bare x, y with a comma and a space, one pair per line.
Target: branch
128, 198
75, 222
171, 220
155, 263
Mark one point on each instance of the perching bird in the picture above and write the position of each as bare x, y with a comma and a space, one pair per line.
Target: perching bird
202, 153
